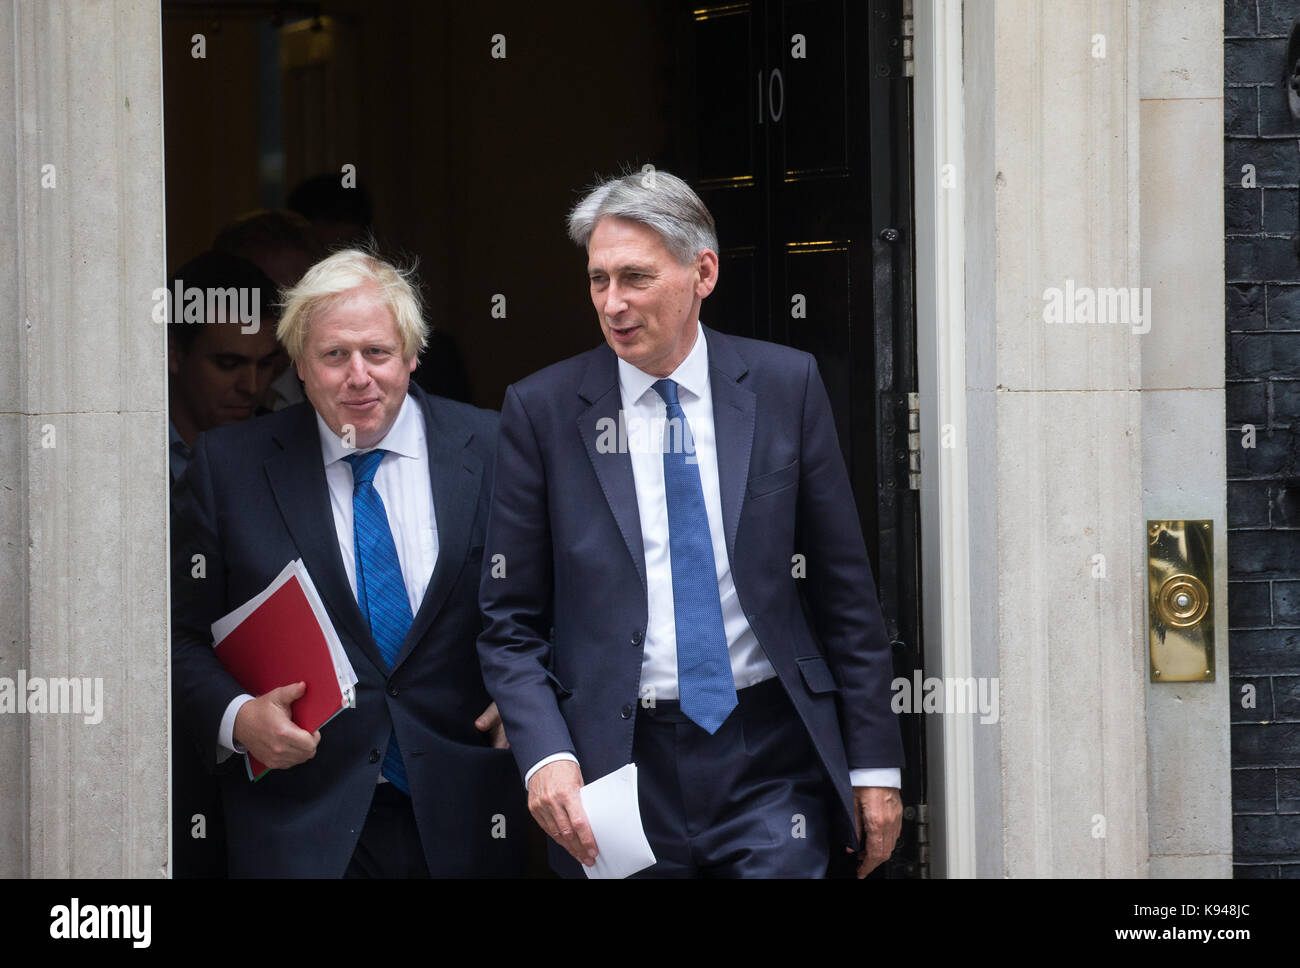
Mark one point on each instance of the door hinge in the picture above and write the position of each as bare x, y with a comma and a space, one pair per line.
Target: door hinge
920, 814
914, 441
907, 28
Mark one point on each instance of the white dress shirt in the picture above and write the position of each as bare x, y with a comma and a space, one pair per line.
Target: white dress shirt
403, 482
644, 408
645, 413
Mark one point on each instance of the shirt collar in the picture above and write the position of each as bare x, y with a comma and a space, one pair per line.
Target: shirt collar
178, 452
691, 375
174, 439
405, 437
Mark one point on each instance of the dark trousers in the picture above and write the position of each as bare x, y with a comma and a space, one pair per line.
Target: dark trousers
198, 819
748, 801
389, 845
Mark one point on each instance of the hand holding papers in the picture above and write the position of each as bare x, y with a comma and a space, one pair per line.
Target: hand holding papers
284, 636
614, 814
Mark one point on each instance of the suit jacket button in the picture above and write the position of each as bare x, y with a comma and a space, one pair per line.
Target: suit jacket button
392, 689
626, 712
638, 637
374, 756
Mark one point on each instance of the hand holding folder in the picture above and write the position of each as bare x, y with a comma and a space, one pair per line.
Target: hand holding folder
281, 638
265, 727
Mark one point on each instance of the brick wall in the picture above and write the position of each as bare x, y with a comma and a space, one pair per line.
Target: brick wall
1263, 390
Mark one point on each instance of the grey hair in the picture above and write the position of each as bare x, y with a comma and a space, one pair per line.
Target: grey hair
656, 199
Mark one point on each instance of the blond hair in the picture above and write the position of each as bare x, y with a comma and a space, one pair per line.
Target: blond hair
342, 273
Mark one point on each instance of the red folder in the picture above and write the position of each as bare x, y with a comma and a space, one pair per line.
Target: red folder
283, 637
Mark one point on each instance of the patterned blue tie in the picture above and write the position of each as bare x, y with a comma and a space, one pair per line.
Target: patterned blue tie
381, 592
704, 682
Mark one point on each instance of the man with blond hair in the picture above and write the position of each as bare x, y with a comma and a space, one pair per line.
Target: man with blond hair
382, 491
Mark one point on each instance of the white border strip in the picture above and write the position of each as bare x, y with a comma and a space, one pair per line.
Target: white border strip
941, 373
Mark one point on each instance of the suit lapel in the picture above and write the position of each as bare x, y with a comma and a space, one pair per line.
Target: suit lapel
297, 479
733, 422
456, 476
613, 466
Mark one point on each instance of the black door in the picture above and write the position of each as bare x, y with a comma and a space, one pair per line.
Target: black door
801, 148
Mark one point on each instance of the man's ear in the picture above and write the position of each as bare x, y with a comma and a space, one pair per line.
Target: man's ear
706, 268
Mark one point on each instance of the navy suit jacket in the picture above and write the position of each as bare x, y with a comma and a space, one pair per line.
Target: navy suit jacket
253, 498
564, 521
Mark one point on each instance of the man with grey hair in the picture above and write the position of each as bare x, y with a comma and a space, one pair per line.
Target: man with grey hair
382, 491
651, 497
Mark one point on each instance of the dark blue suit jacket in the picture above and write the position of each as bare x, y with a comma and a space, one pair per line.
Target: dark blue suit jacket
253, 498
564, 518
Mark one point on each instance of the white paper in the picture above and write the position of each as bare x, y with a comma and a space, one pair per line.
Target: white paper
615, 816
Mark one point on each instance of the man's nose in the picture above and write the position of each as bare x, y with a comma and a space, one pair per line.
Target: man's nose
246, 379
357, 375
261, 380
614, 301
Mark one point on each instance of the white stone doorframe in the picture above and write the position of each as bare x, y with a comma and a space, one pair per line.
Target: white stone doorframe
941, 374
83, 466
1106, 167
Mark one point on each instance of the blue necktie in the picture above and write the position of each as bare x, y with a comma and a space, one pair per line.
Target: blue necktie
705, 686
381, 592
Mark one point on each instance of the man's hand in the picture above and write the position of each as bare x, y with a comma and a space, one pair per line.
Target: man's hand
554, 803
266, 728
490, 721
880, 809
